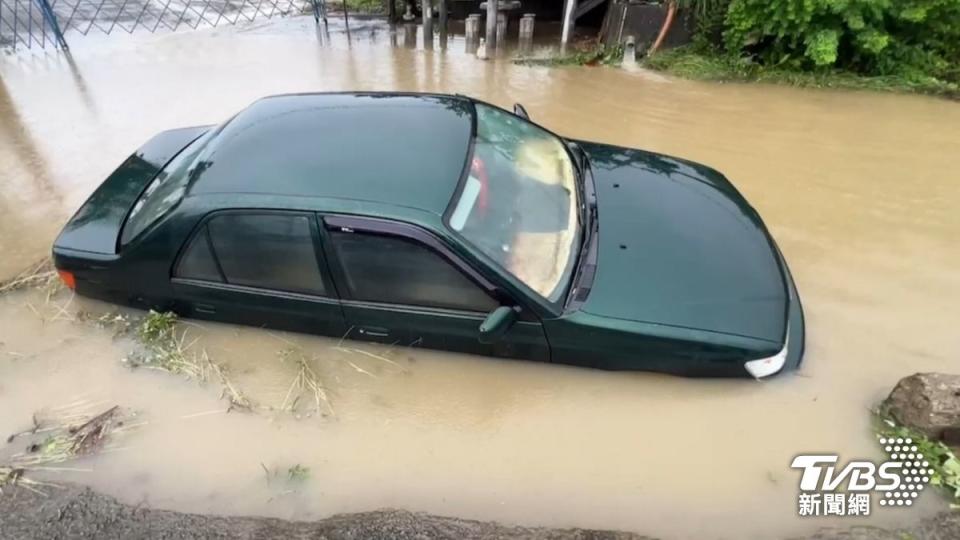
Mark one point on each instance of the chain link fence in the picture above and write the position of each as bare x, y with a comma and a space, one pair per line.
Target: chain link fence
42, 23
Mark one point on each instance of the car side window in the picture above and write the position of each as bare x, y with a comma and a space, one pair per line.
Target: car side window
266, 251
197, 261
395, 270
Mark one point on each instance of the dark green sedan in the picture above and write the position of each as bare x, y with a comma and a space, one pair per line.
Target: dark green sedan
442, 222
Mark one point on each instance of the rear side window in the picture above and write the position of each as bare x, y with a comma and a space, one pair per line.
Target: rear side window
266, 251
269, 251
397, 271
166, 190
198, 261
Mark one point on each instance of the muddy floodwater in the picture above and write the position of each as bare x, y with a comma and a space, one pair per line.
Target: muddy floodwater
861, 191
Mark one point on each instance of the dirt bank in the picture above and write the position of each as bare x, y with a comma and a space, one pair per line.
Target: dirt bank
71, 511
77, 512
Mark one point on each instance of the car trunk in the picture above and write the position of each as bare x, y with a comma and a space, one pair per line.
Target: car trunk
96, 226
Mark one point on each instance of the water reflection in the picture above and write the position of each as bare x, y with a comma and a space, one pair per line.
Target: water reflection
28, 194
410, 36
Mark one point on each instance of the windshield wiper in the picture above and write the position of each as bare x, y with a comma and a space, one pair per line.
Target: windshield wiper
588, 219
580, 177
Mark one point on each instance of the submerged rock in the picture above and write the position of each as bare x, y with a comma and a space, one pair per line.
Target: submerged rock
928, 403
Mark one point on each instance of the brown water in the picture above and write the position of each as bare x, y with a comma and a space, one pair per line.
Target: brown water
861, 191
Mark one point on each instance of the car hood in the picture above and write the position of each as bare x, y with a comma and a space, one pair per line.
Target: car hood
679, 246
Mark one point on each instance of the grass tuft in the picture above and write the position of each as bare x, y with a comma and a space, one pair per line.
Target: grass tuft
690, 63
298, 473
163, 349
586, 54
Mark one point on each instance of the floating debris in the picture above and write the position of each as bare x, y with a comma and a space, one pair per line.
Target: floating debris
62, 435
305, 384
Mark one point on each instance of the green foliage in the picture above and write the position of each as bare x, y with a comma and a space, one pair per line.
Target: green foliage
911, 38
822, 47
298, 473
709, 17
157, 327
945, 465
693, 63
161, 348
361, 6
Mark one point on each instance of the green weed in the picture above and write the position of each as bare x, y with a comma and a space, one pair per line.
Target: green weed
943, 462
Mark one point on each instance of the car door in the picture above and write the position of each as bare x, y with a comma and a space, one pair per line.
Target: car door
262, 268
400, 284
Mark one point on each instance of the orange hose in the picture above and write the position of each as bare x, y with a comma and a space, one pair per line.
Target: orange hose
665, 28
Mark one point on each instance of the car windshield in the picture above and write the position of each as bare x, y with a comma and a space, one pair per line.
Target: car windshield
519, 202
165, 190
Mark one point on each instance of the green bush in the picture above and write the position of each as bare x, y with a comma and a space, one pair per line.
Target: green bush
912, 38
709, 19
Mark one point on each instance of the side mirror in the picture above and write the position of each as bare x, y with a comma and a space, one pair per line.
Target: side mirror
497, 323
520, 111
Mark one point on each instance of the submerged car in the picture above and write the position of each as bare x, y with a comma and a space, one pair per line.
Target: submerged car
442, 222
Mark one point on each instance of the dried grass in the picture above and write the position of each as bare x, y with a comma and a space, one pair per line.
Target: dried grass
306, 386
161, 347
238, 401
68, 432
164, 348
40, 275
14, 476
75, 435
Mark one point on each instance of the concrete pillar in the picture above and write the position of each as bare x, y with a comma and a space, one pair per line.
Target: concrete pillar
442, 8
526, 26
472, 27
427, 32
492, 23
525, 43
501, 28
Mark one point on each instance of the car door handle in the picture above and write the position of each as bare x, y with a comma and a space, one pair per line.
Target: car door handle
374, 331
204, 308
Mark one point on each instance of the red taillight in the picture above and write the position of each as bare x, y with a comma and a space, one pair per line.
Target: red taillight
68, 279
479, 171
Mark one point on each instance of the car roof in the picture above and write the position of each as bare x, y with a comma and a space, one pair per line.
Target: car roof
397, 149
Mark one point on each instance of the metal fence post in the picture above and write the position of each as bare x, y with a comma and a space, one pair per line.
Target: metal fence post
51, 19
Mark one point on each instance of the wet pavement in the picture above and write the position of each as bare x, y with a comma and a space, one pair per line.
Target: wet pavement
859, 190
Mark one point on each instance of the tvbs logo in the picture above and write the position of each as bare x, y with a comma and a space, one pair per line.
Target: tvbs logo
828, 489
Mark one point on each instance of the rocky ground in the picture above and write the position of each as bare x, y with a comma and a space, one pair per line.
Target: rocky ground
77, 512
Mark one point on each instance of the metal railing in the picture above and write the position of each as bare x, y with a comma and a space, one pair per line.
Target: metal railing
39, 23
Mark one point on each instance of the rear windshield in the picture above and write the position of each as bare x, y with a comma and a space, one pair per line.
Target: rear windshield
165, 191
